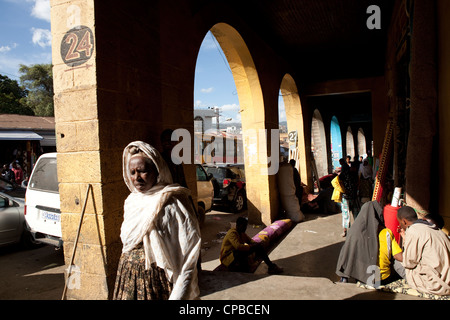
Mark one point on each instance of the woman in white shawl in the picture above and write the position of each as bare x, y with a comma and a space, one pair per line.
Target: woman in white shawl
160, 233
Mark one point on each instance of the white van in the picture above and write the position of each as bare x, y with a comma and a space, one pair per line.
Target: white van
42, 207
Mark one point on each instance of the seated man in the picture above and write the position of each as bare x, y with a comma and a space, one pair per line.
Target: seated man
426, 255
237, 249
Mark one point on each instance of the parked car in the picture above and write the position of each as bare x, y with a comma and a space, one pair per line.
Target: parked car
205, 192
42, 206
229, 185
12, 189
13, 227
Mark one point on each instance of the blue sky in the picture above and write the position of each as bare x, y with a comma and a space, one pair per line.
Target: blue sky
214, 83
25, 34
25, 38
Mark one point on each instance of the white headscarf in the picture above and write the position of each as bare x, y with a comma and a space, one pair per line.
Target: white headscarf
142, 208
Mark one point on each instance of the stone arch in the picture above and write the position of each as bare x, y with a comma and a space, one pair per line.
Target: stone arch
318, 144
336, 142
256, 145
350, 143
362, 147
294, 117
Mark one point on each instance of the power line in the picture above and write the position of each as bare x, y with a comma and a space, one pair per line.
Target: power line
10, 74
220, 52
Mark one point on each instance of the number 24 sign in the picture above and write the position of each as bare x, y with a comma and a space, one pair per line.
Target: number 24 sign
77, 46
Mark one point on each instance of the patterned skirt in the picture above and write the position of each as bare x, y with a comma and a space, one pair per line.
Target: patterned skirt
134, 282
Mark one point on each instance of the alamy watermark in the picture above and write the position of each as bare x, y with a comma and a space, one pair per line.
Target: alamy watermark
73, 277
213, 145
374, 20
374, 278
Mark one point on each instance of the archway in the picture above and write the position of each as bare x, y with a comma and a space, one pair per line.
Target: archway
284, 131
318, 145
350, 144
362, 148
261, 208
290, 98
336, 142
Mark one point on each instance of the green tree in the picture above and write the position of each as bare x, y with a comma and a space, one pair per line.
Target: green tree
12, 97
38, 80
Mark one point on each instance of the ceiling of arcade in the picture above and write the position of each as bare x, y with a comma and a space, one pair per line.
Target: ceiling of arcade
321, 39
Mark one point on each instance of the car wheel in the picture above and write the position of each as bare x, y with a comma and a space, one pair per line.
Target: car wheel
201, 215
238, 203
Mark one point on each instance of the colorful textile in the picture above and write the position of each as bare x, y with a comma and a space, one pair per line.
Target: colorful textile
272, 232
400, 286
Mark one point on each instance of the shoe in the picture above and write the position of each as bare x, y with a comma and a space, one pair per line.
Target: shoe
274, 269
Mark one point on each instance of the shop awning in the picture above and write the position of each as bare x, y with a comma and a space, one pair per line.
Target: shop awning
49, 140
19, 135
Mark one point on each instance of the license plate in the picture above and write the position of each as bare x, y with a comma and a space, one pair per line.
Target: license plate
56, 217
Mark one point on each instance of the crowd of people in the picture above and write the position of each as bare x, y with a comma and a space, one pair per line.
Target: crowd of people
13, 173
161, 236
352, 187
372, 255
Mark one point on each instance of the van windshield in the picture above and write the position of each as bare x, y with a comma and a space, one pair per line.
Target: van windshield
44, 176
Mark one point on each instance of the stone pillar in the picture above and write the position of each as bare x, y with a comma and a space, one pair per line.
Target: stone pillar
423, 118
444, 111
81, 160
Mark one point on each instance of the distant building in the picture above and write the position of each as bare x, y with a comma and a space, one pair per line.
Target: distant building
25, 138
203, 119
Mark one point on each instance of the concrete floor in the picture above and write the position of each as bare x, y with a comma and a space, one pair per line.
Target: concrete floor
308, 255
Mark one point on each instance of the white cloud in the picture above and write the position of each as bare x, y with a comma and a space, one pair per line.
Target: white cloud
230, 108
9, 63
199, 104
208, 90
41, 10
4, 49
42, 37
